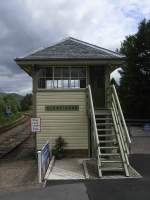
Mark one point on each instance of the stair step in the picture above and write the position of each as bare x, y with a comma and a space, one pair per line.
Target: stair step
103, 114
110, 154
109, 147
102, 118
105, 123
111, 161
107, 141
106, 135
104, 129
113, 169
103, 111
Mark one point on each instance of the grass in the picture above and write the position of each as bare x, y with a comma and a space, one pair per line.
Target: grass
4, 119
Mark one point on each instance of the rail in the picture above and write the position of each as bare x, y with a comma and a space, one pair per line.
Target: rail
121, 120
18, 122
94, 131
120, 127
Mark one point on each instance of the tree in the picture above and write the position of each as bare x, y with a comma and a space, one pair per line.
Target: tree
2, 105
11, 101
26, 102
135, 74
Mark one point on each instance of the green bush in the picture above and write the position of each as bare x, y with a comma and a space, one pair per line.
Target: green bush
2, 106
58, 149
13, 102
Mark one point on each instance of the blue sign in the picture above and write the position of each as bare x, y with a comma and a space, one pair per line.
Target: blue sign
147, 127
45, 158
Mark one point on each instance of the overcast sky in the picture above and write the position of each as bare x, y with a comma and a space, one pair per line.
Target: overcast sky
29, 24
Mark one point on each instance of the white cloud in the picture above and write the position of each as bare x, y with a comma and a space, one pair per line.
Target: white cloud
102, 22
29, 24
19, 83
116, 75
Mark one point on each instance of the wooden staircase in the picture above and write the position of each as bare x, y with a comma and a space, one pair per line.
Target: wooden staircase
110, 137
110, 154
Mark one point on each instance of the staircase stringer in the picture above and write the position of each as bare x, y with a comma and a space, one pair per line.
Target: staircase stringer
95, 132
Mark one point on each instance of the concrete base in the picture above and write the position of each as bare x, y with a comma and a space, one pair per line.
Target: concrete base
76, 153
90, 167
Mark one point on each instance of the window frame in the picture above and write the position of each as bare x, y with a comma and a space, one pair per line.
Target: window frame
58, 82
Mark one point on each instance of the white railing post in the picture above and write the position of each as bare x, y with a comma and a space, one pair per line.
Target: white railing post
39, 167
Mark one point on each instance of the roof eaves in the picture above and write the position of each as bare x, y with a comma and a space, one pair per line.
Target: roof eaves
53, 59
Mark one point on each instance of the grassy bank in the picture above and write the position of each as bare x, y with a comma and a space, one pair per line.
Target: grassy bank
4, 119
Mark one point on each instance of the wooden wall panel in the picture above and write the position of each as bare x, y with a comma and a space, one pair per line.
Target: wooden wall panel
71, 125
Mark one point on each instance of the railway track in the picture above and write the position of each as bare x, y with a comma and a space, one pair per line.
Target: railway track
14, 135
19, 121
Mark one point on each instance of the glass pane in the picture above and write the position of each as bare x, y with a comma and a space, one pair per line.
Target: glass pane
55, 84
72, 85
83, 83
42, 73
74, 72
57, 72
59, 83
65, 72
41, 83
49, 72
82, 72
49, 84
77, 84
65, 83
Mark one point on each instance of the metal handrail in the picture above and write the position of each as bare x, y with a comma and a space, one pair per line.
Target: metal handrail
93, 114
121, 114
93, 121
120, 128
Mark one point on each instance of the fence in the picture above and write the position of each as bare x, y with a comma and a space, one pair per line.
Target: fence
44, 157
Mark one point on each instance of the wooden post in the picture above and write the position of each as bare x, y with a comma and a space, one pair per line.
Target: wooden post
34, 91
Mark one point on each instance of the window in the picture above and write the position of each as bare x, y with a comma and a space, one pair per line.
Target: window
49, 84
62, 77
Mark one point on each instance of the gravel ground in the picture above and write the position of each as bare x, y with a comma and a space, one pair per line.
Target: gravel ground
18, 170
17, 175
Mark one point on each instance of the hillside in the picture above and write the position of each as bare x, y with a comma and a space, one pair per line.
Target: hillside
18, 97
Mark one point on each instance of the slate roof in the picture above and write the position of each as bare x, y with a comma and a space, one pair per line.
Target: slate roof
71, 48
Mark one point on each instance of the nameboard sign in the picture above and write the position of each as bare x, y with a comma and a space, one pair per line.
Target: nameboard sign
62, 108
35, 124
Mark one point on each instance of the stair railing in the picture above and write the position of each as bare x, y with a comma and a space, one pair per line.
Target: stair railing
94, 131
120, 127
121, 119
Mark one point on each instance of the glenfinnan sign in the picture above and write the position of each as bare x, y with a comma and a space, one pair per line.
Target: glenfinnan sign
35, 124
